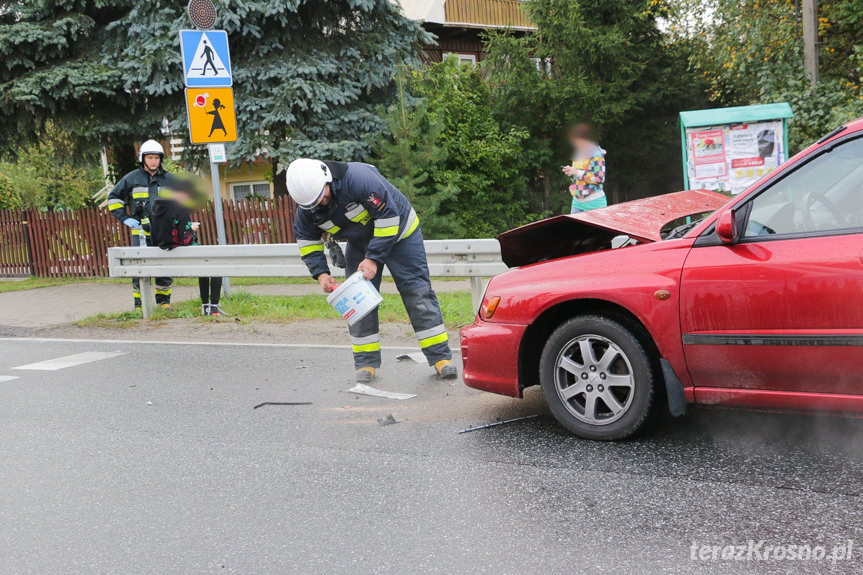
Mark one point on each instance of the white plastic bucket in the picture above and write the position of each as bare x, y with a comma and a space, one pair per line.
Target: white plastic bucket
355, 298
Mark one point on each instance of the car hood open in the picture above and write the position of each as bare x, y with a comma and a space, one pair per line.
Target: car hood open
641, 220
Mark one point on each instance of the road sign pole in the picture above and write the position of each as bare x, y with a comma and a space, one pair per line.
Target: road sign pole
220, 216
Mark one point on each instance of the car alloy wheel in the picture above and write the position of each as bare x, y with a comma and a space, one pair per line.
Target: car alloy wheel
598, 378
594, 379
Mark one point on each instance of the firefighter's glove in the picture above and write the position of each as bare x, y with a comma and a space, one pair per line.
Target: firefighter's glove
336, 254
132, 223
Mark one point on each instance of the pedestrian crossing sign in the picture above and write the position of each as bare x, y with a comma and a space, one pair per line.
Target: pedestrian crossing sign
211, 115
206, 58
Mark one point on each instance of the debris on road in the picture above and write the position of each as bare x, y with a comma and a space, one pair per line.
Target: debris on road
282, 403
388, 420
495, 424
364, 389
417, 356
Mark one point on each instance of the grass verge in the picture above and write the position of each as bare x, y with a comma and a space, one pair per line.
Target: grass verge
456, 307
8, 285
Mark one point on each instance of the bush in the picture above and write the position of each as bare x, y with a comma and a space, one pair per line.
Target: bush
52, 174
9, 199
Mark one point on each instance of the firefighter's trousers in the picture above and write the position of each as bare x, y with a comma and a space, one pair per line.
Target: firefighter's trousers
163, 285
409, 267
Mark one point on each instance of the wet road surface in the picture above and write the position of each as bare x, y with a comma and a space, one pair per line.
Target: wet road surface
104, 469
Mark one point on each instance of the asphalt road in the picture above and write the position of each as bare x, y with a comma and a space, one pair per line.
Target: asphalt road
154, 461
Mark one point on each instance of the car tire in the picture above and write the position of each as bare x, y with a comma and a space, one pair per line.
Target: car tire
607, 396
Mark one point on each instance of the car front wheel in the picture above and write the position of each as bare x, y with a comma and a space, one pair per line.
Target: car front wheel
597, 379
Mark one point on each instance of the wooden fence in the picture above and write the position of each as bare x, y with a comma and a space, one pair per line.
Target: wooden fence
75, 243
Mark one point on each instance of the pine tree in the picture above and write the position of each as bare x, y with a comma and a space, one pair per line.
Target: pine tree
309, 75
408, 154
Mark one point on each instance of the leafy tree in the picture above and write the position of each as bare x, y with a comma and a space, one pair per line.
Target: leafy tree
751, 52
52, 174
601, 61
308, 76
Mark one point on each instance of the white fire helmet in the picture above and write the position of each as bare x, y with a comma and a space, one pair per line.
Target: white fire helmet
306, 180
150, 147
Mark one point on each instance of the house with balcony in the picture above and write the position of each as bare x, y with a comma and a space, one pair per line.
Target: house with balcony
459, 24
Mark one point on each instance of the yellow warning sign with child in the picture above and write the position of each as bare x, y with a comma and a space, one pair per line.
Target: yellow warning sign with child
212, 119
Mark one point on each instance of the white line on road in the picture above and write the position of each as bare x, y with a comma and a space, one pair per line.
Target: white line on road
7, 378
71, 360
214, 343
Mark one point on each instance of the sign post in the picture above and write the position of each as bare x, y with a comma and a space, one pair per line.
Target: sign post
209, 97
217, 156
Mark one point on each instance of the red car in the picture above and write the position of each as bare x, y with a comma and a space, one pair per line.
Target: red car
617, 313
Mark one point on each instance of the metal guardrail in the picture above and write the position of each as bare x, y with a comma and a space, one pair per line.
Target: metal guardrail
476, 259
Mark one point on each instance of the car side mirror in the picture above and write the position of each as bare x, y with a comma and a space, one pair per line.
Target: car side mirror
726, 227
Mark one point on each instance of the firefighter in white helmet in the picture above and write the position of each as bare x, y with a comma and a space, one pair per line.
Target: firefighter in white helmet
130, 202
355, 203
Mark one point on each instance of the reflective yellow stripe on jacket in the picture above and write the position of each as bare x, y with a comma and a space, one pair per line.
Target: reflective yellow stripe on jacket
387, 227
310, 246
358, 214
412, 225
329, 227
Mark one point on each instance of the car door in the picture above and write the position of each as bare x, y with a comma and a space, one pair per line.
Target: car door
781, 308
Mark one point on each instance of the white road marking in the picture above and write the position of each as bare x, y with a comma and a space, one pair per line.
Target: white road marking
455, 349
7, 378
70, 360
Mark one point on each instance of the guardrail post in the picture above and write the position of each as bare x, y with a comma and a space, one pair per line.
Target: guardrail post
476, 285
146, 297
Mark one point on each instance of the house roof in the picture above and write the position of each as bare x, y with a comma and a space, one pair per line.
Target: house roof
468, 13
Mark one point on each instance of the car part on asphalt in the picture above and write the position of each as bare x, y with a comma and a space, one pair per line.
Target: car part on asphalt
496, 423
417, 357
388, 420
282, 403
375, 392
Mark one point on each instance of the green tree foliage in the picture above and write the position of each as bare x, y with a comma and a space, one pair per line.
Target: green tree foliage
602, 61
9, 199
450, 152
308, 76
408, 153
751, 52
51, 173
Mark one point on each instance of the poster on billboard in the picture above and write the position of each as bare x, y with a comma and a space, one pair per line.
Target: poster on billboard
753, 152
731, 158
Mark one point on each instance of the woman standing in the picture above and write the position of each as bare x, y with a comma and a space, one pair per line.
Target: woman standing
587, 170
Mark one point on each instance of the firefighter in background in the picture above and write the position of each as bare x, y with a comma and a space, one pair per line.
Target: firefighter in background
354, 203
130, 202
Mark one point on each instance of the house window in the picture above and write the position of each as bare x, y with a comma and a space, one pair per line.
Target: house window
463, 59
247, 190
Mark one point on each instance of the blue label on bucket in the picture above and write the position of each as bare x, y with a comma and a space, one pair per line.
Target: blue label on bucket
343, 306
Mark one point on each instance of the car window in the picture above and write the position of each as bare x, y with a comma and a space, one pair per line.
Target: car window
823, 195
